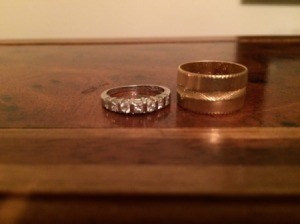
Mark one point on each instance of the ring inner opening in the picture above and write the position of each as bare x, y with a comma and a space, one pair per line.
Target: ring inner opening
135, 91
212, 68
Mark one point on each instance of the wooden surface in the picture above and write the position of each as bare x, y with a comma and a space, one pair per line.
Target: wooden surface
65, 159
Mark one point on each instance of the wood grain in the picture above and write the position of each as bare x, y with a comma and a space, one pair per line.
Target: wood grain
134, 194
51, 86
201, 147
65, 159
189, 180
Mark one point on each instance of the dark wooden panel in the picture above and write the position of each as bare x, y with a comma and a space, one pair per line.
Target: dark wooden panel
160, 194
39, 209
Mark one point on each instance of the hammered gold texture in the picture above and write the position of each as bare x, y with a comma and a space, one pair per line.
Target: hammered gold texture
212, 76
210, 83
211, 107
211, 87
210, 96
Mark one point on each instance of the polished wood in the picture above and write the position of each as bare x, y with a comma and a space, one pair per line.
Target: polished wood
65, 159
59, 86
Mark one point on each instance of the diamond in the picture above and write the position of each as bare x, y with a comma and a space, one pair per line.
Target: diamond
151, 105
114, 104
160, 102
106, 103
125, 106
138, 106
167, 100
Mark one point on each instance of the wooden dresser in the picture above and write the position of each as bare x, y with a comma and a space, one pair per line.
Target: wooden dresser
65, 159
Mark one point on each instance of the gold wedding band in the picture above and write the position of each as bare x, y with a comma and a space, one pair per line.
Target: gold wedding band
211, 87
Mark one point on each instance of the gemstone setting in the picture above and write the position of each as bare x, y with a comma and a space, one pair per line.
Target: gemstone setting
167, 100
142, 99
151, 104
125, 106
138, 106
160, 102
114, 104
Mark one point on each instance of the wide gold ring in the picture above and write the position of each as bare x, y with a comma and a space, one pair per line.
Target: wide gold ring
211, 87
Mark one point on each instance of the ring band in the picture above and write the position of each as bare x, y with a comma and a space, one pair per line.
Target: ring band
211, 87
136, 99
208, 76
207, 104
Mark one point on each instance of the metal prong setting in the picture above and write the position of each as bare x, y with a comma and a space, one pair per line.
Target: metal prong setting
139, 105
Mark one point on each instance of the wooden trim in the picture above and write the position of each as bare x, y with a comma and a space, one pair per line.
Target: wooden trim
153, 40
157, 133
149, 180
96, 41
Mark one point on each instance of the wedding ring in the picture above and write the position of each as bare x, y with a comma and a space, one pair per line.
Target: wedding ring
211, 87
136, 99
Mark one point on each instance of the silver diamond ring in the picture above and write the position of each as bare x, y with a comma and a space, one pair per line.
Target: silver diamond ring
136, 99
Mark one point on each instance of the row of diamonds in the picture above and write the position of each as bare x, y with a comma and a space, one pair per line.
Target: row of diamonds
136, 106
